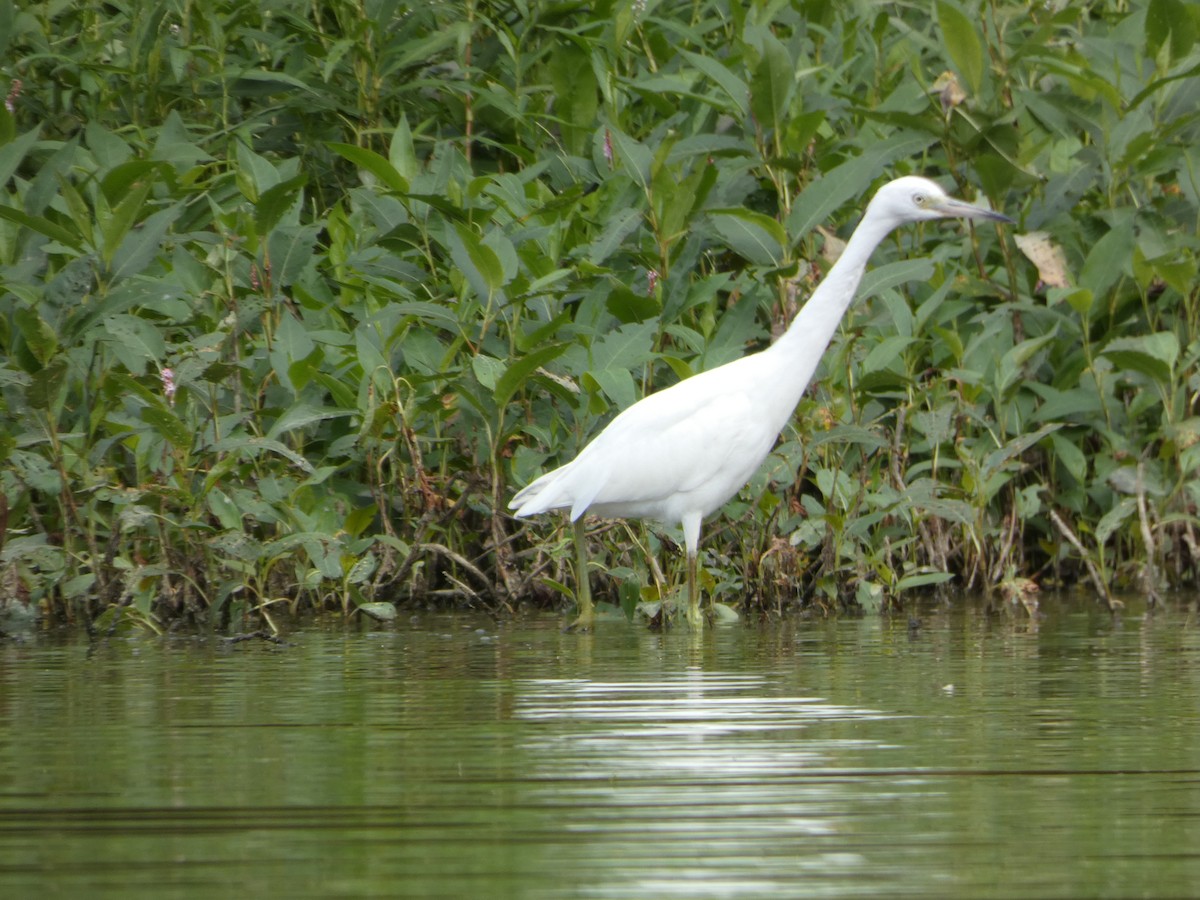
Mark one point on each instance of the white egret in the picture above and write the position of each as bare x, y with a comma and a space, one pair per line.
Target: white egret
679, 454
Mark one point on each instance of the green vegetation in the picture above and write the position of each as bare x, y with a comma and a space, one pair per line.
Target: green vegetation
293, 296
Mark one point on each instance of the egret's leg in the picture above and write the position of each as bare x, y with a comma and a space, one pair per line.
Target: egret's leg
583, 589
691, 540
695, 620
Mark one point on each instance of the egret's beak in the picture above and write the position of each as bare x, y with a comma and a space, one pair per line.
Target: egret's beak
960, 209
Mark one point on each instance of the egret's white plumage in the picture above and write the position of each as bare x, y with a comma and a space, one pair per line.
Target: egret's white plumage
678, 455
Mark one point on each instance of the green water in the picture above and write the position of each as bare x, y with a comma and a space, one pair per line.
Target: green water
976, 755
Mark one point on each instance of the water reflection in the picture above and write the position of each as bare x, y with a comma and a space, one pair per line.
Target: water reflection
708, 725
455, 757
702, 783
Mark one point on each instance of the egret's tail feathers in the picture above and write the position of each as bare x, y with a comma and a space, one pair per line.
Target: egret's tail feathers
554, 490
539, 496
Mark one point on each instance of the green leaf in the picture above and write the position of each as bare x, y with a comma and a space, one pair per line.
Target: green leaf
170, 426
427, 313
848, 434
923, 579
47, 384
772, 85
128, 176
281, 449
886, 352
112, 152
850, 180
401, 152
1154, 355
1133, 479
498, 242
961, 41
625, 347
723, 614
1070, 457
362, 570
427, 47
80, 586
302, 415
292, 338
733, 86
36, 548
141, 245
633, 157
13, 151
576, 95
380, 612
1079, 299
1169, 22
477, 261
121, 219
752, 235
261, 82
936, 424
139, 341
1109, 258
226, 511
894, 274
616, 384
275, 201
254, 173
1112, 520
1016, 447
1010, 370
174, 144
629, 306
43, 226
371, 162
515, 376
1024, 351
291, 249
618, 227
869, 595
39, 337
487, 370
358, 520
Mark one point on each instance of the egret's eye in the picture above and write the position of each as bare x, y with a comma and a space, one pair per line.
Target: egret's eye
920, 199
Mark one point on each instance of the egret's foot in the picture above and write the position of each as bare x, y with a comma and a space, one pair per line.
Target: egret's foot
583, 591
584, 623
694, 617
579, 626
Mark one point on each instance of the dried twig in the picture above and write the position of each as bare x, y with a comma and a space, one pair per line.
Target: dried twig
470, 568
1101, 588
1150, 573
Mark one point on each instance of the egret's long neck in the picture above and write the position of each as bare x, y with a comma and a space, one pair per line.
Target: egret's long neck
801, 346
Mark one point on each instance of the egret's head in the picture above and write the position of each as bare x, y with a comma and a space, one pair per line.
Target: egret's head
914, 199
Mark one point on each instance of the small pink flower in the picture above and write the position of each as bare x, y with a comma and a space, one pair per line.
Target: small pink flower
168, 385
608, 153
14, 91
652, 281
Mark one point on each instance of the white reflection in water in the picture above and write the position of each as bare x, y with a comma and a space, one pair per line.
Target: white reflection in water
700, 784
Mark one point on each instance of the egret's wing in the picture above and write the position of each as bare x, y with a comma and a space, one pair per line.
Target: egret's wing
575, 484
706, 433
653, 461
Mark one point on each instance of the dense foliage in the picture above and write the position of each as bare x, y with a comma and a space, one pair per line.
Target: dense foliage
294, 295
